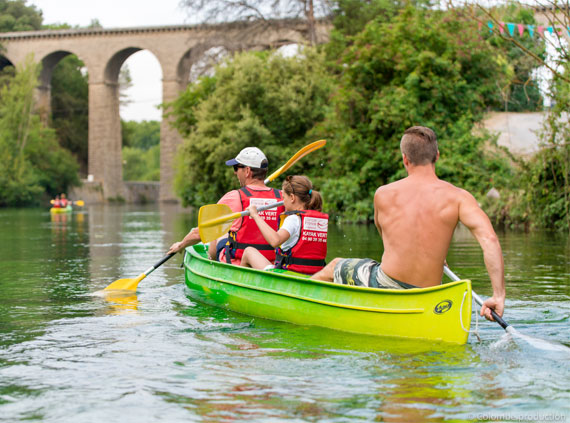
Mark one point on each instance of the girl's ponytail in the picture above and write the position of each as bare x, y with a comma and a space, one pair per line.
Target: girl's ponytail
302, 187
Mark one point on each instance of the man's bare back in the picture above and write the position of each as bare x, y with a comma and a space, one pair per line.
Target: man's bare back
416, 217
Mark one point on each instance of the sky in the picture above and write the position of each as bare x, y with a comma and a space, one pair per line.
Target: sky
145, 93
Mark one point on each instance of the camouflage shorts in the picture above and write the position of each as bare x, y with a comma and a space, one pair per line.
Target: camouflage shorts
365, 272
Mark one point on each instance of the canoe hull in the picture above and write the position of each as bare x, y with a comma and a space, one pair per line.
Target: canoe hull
440, 313
57, 210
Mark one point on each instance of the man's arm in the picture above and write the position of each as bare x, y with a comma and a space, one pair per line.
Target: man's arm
193, 237
377, 210
471, 215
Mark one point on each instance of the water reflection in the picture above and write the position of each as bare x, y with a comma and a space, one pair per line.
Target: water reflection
119, 302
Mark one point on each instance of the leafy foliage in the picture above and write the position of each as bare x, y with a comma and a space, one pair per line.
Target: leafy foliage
15, 15
256, 99
351, 16
141, 165
142, 135
424, 67
70, 106
141, 150
31, 160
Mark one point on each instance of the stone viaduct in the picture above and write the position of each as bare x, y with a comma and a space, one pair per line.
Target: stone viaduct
103, 51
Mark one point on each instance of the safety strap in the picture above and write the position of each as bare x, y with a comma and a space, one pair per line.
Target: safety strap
242, 246
285, 260
247, 193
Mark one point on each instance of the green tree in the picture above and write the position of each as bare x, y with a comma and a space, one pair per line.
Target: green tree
351, 16
424, 67
141, 165
258, 99
15, 15
70, 107
142, 135
141, 150
31, 160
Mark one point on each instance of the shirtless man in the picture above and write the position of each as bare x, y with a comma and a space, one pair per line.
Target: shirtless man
416, 217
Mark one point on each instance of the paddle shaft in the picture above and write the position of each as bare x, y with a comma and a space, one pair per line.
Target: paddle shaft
237, 215
477, 298
158, 264
262, 208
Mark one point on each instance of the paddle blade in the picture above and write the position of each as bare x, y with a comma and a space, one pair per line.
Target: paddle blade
298, 156
215, 220
129, 284
210, 233
80, 203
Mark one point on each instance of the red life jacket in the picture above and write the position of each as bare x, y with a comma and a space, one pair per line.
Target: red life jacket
309, 253
57, 204
248, 234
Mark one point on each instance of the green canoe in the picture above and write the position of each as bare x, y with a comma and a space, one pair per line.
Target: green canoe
441, 313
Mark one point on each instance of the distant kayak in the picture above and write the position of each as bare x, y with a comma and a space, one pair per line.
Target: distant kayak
67, 209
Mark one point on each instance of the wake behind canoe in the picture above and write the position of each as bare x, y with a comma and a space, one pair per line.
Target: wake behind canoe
441, 313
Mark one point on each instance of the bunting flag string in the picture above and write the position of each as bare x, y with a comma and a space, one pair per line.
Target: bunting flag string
510, 28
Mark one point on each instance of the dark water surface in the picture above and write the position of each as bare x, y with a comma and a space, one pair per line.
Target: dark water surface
69, 356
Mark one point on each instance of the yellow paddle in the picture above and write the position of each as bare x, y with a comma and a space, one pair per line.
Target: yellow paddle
215, 220
131, 284
79, 203
298, 155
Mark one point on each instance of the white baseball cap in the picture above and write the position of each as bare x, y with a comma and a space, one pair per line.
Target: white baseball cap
250, 157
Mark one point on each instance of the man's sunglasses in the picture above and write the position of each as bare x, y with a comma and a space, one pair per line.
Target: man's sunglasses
236, 167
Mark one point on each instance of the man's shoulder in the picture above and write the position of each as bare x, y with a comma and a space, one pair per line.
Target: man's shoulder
389, 187
438, 187
230, 198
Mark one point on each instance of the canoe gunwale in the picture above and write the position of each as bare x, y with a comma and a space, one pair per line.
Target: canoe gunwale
306, 279
328, 303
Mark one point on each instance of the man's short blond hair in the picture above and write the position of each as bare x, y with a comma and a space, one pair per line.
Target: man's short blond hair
419, 144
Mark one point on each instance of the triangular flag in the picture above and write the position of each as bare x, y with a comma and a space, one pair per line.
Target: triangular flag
511, 27
549, 29
501, 27
521, 29
568, 28
530, 30
540, 30
490, 25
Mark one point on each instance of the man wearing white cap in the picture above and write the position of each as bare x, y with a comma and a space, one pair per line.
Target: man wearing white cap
250, 167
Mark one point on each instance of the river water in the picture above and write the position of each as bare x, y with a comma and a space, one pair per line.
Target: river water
67, 355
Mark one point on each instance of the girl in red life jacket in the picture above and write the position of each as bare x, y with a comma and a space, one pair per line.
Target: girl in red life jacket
64, 202
302, 238
56, 204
